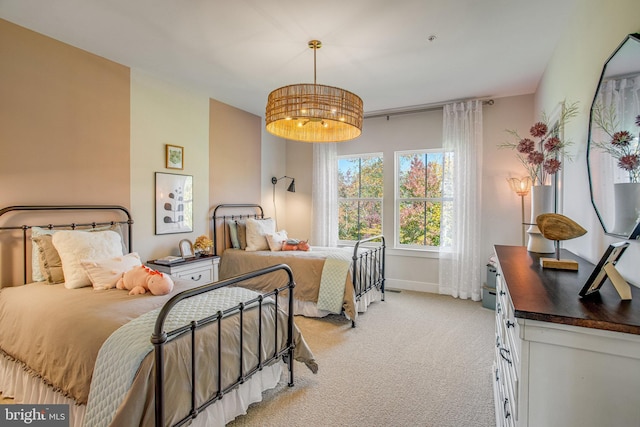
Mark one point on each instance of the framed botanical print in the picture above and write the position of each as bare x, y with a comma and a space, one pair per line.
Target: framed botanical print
174, 203
174, 157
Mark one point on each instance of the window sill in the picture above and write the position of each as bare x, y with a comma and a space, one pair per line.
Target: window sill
415, 253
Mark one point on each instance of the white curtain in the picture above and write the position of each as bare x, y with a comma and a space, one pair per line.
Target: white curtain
461, 265
324, 195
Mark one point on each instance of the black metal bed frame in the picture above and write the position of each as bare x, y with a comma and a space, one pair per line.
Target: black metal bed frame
160, 337
368, 267
71, 226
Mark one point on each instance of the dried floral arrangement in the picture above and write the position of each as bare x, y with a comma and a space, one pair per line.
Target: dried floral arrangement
203, 243
622, 145
543, 155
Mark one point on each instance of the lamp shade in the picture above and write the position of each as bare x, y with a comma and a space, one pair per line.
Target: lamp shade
520, 186
314, 113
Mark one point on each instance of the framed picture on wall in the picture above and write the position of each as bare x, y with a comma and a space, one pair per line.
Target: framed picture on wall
174, 203
174, 156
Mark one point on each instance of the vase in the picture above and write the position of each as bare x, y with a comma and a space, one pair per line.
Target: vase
626, 196
541, 202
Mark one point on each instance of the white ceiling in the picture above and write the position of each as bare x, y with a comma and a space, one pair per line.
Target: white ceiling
237, 51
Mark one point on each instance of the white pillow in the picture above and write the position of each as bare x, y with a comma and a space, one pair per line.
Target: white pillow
257, 229
276, 240
74, 246
104, 273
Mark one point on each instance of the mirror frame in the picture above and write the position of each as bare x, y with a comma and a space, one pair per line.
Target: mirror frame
635, 233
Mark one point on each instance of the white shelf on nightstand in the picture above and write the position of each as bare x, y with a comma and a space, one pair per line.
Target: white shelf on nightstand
201, 270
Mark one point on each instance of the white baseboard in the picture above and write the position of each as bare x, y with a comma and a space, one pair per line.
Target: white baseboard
408, 285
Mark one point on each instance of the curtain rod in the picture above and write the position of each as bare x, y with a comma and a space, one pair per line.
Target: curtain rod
416, 109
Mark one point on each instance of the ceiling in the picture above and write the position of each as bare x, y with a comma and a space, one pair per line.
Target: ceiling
237, 51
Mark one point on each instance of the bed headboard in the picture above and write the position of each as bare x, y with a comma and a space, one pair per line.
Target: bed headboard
225, 212
17, 221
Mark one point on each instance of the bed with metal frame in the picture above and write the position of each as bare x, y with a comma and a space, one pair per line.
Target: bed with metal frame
275, 337
366, 271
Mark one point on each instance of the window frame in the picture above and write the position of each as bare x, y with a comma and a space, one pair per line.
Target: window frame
363, 199
397, 200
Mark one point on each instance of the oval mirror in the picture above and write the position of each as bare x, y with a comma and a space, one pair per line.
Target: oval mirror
613, 154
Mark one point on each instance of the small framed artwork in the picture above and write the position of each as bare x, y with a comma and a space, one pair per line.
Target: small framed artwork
174, 156
186, 249
174, 203
606, 269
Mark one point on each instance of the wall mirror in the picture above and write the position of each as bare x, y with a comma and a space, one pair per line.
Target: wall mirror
613, 154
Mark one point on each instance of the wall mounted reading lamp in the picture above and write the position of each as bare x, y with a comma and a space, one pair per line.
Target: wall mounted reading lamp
291, 188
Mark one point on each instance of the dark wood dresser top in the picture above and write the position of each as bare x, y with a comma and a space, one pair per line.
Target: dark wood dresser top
552, 295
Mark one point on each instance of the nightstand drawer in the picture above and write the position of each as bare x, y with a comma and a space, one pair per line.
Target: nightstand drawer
201, 270
200, 275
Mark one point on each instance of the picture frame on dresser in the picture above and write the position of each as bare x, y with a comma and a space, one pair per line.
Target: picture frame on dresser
186, 249
174, 203
606, 269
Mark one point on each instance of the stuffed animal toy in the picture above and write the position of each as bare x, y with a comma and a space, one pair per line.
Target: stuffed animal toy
295, 245
141, 279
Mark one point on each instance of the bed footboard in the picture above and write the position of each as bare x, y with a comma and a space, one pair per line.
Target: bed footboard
368, 267
161, 337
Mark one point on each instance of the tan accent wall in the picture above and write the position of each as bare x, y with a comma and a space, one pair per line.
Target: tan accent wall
64, 130
64, 123
234, 155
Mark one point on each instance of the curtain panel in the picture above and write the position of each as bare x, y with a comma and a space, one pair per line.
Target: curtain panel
460, 267
324, 195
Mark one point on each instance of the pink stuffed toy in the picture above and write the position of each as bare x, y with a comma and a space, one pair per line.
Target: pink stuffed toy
295, 245
141, 279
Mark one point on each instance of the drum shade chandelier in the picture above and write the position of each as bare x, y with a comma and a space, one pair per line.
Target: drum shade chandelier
312, 112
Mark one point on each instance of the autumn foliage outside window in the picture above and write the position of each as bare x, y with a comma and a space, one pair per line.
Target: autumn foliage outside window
424, 197
360, 190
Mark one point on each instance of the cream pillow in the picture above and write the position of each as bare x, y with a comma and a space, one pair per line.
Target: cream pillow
74, 246
257, 229
276, 240
104, 273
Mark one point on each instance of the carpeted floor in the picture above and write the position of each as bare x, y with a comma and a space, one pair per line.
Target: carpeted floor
416, 359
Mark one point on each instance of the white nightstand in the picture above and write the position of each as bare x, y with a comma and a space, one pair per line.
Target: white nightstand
201, 270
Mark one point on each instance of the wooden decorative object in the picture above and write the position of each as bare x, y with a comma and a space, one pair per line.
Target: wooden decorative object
558, 227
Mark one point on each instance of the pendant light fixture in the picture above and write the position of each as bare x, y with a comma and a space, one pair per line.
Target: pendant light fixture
312, 112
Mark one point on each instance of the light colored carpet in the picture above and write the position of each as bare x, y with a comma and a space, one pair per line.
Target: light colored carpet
416, 359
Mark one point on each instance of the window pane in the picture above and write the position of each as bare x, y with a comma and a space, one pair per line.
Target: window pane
411, 177
348, 177
371, 177
348, 220
434, 175
433, 223
370, 219
412, 228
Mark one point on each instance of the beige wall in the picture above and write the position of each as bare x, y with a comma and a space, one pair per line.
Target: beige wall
64, 123
235, 155
596, 29
162, 113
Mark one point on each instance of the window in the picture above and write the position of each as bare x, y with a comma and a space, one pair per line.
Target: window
359, 196
423, 198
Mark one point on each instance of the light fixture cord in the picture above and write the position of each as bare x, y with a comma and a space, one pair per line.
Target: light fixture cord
315, 47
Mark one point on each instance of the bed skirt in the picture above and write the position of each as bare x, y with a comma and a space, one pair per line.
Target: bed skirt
310, 309
17, 383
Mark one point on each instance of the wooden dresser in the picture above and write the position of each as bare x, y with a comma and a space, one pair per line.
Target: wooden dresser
561, 360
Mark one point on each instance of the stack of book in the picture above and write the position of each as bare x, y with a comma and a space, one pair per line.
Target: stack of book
168, 260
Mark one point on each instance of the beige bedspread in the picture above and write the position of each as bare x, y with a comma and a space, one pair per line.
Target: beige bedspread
306, 266
56, 334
